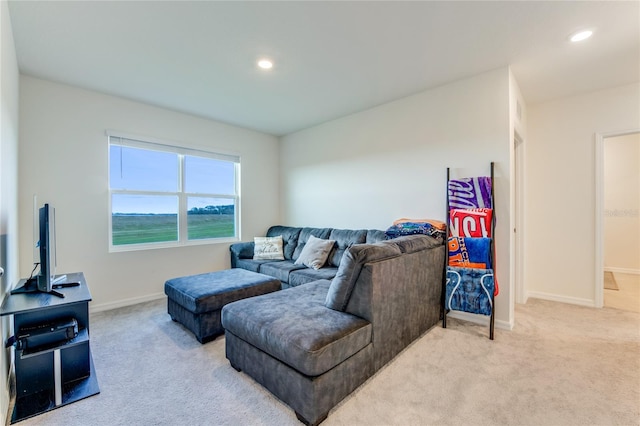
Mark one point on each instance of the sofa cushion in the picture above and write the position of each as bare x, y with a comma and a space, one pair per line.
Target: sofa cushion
375, 236
280, 270
268, 248
250, 264
315, 252
349, 271
295, 327
414, 243
344, 238
305, 233
289, 238
306, 275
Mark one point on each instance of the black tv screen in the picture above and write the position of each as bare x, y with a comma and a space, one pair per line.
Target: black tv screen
47, 243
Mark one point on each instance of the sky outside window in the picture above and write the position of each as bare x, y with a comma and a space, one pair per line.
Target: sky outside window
142, 170
208, 176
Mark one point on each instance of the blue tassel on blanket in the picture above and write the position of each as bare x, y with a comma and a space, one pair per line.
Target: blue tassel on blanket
469, 290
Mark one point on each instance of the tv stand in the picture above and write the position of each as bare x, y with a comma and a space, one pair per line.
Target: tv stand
57, 373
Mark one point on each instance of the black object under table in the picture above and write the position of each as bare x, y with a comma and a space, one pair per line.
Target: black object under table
51, 371
195, 301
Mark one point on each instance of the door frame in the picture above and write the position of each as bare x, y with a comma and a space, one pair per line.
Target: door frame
599, 212
521, 294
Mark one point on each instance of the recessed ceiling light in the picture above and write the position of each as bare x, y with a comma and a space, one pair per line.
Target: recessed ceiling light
581, 35
265, 64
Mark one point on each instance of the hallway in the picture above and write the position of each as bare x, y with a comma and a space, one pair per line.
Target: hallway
627, 298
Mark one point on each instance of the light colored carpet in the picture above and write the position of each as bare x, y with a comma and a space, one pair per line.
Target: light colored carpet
561, 365
610, 281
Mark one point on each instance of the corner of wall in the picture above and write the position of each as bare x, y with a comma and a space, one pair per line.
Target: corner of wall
9, 81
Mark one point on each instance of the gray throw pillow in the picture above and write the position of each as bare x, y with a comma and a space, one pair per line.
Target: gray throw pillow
315, 252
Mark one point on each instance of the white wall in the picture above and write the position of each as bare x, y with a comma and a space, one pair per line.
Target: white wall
621, 221
63, 159
367, 169
560, 188
9, 83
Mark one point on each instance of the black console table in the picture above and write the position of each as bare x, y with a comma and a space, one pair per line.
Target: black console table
59, 373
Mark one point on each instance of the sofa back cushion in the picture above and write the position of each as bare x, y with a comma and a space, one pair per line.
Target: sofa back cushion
289, 238
344, 239
375, 236
414, 243
352, 262
305, 233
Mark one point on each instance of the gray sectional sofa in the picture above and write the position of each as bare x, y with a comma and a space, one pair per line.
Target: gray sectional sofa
321, 337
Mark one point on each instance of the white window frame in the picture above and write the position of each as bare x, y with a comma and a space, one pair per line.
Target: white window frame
115, 138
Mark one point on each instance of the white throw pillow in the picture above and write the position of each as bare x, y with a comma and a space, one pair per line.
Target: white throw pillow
268, 248
315, 252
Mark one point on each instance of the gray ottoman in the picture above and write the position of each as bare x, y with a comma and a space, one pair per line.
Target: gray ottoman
195, 301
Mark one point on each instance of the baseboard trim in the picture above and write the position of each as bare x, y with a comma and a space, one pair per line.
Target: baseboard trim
126, 302
622, 270
479, 319
563, 299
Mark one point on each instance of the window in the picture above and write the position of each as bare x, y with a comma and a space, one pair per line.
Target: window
163, 196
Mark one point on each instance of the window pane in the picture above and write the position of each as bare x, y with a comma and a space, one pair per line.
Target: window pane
210, 217
139, 219
142, 169
209, 176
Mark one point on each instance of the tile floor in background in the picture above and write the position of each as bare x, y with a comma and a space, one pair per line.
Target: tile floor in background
628, 297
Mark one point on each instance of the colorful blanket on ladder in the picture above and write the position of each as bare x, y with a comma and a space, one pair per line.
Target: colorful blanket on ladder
470, 252
470, 222
469, 193
469, 290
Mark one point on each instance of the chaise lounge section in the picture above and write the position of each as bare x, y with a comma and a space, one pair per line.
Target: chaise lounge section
312, 345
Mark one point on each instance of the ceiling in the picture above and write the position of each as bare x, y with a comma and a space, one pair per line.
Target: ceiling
331, 58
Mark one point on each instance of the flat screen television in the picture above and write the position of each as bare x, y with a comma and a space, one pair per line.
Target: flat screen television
47, 248
46, 280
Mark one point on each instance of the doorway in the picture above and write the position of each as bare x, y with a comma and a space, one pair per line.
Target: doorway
618, 221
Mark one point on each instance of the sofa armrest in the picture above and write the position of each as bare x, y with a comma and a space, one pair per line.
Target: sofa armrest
241, 251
